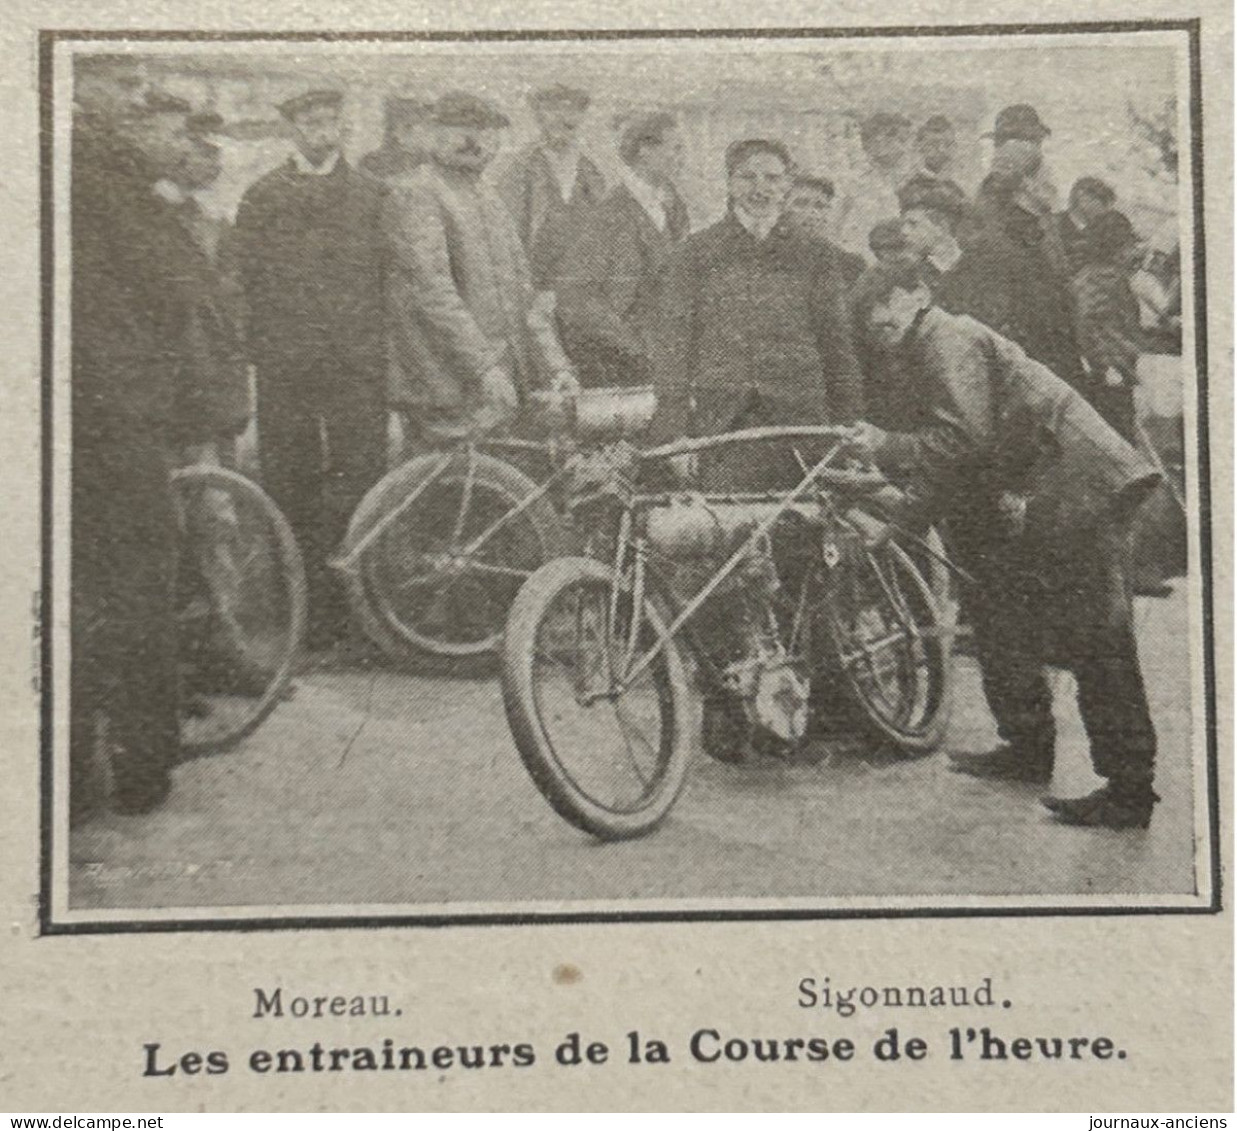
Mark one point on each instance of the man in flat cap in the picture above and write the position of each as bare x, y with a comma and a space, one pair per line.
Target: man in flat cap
311, 253
1023, 290
872, 196
468, 339
606, 284
936, 142
551, 186
137, 398
405, 141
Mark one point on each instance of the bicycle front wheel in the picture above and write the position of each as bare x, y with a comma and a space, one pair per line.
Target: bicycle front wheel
240, 606
609, 754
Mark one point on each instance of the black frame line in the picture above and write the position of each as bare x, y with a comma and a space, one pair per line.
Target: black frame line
48, 926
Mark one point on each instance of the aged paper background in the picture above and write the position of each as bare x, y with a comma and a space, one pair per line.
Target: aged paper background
78, 1010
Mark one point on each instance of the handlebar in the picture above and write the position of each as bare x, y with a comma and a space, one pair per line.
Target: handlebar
743, 436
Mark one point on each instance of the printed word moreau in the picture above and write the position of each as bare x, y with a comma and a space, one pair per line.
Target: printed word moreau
273, 1003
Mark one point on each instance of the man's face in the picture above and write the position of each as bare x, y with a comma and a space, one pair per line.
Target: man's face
202, 165
560, 123
921, 231
318, 132
468, 148
887, 149
164, 140
1089, 206
663, 163
1017, 158
936, 149
116, 93
759, 185
891, 318
810, 210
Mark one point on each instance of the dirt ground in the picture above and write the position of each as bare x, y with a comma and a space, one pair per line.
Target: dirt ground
378, 788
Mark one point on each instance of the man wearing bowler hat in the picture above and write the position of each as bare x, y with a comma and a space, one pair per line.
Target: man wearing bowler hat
311, 255
1022, 287
469, 340
551, 186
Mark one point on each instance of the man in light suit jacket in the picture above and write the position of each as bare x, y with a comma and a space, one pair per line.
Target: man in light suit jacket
468, 339
551, 186
606, 282
1038, 492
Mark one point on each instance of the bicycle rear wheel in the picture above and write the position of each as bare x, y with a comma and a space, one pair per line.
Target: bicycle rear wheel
463, 531
610, 758
241, 606
893, 641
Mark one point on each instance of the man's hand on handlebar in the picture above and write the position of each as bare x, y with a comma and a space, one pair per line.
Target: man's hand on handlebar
866, 439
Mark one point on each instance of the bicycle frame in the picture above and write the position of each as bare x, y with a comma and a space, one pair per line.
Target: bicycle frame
631, 667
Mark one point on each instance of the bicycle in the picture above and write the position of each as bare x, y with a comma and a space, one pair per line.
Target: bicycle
594, 672
437, 550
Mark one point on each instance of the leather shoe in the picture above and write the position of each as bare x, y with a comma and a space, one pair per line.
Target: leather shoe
1110, 807
1005, 763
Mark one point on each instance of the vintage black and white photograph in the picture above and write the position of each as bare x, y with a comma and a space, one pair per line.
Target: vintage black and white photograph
514, 477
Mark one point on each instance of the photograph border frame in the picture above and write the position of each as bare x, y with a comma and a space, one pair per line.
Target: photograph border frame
48, 39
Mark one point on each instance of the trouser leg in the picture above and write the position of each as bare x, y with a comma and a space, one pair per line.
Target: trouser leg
292, 458
1112, 697
1006, 621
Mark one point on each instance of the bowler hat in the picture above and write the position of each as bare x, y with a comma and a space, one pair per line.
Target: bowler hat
560, 94
1018, 123
310, 100
459, 108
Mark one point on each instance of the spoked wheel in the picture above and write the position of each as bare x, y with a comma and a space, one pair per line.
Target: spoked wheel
893, 640
240, 606
609, 755
436, 553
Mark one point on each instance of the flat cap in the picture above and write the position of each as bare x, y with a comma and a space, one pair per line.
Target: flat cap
204, 123
560, 94
1019, 122
459, 108
160, 101
937, 124
310, 100
404, 108
883, 122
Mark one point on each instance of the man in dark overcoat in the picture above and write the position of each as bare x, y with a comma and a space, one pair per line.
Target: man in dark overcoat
753, 326
753, 331
552, 185
136, 401
311, 254
1038, 493
1015, 278
606, 282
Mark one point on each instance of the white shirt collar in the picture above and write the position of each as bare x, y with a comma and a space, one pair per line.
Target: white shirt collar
758, 226
944, 260
565, 166
170, 191
303, 164
648, 196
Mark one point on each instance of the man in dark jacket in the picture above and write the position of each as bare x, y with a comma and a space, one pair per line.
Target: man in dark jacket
606, 282
1016, 279
406, 140
136, 399
1038, 492
551, 186
754, 331
809, 209
753, 328
309, 242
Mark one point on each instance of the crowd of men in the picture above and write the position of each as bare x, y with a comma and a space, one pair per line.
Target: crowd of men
422, 284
